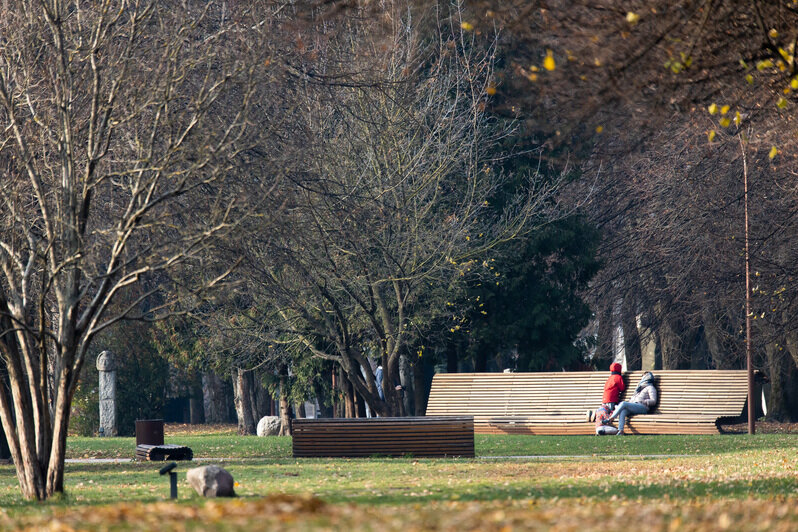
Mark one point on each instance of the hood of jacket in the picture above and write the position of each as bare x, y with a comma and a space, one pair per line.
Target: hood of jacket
615, 368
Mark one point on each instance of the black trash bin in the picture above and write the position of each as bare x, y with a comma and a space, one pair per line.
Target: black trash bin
149, 431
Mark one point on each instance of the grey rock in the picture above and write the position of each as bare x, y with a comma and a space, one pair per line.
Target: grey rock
211, 481
269, 426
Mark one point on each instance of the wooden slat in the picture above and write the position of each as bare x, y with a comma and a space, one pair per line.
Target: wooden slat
690, 402
430, 436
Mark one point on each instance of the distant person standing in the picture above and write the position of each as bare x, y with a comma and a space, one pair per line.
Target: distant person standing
378, 379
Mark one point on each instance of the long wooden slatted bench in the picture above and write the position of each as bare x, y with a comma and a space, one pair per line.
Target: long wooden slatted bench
690, 402
429, 436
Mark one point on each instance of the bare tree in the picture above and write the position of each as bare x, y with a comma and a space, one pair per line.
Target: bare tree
396, 168
118, 118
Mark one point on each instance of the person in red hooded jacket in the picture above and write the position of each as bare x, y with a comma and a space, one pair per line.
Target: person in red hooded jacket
614, 387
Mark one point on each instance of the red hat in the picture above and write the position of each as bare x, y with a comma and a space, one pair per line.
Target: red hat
615, 367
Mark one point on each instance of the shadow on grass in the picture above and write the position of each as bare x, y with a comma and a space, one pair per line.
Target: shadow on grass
764, 489
532, 445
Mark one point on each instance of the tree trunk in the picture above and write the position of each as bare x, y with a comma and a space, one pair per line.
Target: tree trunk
451, 357
670, 344
195, 413
242, 390
195, 402
285, 412
712, 332
16, 413
354, 374
618, 337
255, 391
30, 473
360, 406
648, 345
214, 399
55, 469
325, 408
420, 386
349, 397
263, 400
406, 380
777, 370
481, 361
604, 336
699, 349
791, 338
632, 345
393, 405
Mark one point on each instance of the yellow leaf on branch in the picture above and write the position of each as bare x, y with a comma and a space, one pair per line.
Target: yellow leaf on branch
548, 62
762, 65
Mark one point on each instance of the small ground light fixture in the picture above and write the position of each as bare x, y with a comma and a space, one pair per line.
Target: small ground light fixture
169, 468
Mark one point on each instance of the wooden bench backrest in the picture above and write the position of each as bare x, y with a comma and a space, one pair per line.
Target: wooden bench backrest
700, 394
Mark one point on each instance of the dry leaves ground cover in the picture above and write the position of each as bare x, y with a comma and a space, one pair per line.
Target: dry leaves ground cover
754, 487
291, 513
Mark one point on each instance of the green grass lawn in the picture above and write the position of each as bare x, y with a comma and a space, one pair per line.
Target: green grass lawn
203, 446
486, 445
723, 478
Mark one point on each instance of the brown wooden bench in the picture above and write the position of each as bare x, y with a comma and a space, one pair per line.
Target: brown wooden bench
690, 402
429, 436
159, 453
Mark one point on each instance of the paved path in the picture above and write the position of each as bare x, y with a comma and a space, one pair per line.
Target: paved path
128, 460
491, 457
581, 456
